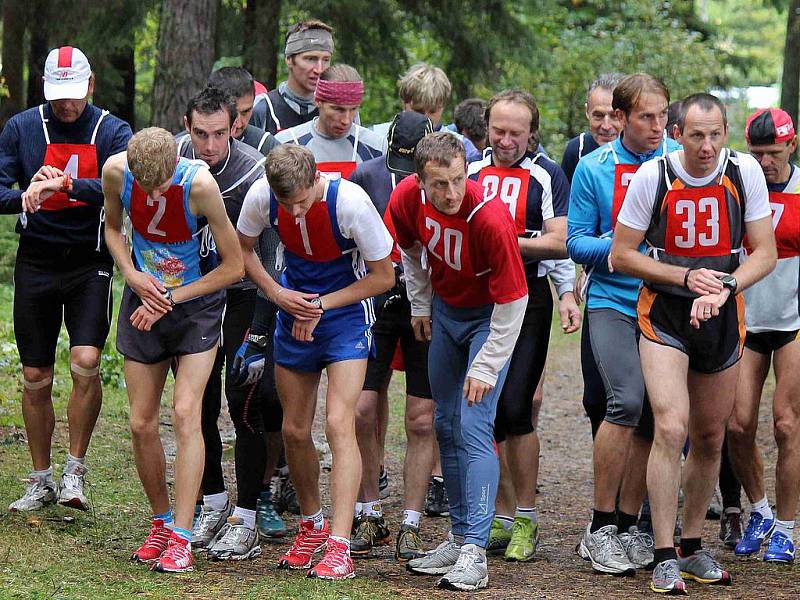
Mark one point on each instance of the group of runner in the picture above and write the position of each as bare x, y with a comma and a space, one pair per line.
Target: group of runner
277, 237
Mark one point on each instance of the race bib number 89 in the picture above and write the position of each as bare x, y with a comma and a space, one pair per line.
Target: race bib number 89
511, 186
697, 222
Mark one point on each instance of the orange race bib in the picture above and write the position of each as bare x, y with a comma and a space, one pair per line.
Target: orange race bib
697, 222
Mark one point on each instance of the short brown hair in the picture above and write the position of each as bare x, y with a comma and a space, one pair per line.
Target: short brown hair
706, 103
425, 87
630, 88
290, 168
441, 147
310, 24
152, 156
527, 100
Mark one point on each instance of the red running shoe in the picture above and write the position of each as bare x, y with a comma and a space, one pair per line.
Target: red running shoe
307, 542
154, 544
336, 564
177, 558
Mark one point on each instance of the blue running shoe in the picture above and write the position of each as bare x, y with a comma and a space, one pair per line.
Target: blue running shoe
270, 524
758, 530
780, 549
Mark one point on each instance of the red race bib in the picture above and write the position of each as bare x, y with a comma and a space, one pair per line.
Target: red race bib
697, 222
79, 160
343, 168
161, 219
511, 186
786, 223
446, 240
622, 179
294, 233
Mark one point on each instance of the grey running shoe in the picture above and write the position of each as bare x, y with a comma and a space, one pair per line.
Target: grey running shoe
638, 546
667, 579
371, 532
383, 484
208, 525
470, 571
409, 544
605, 551
70, 492
235, 541
704, 568
730, 527
438, 561
38, 494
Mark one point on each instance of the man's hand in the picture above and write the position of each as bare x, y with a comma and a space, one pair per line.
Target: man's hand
303, 330
707, 307
144, 319
569, 312
149, 290
248, 364
47, 172
475, 390
38, 192
297, 304
704, 281
422, 328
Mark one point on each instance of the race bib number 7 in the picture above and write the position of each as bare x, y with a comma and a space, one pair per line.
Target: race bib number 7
697, 222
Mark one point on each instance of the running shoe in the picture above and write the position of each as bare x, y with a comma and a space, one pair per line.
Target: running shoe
235, 541
38, 494
645, 523
715, 508
336, 564
469, 573
408, 544
604, 550
437, 562
730, 527
154, 544
284, 497
704, 568
499, 538
780, 548
177, 558
524, 538
208, 524
70, 492
436, 503
638, 546
383, 485
758, 530
270, 524
667, 579
307, 542
371, 532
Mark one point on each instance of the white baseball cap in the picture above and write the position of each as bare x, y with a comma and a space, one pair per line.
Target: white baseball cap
66, 74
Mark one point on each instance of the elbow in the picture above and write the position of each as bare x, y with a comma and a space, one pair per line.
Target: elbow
385, 281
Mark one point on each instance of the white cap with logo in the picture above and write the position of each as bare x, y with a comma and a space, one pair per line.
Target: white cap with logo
66, 74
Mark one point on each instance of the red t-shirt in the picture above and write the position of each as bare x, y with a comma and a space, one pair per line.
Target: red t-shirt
473, 254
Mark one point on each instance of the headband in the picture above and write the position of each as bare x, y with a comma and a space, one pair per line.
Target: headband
308, 40
343, 93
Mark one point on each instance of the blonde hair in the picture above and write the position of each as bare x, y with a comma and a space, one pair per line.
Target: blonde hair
340, 72
425, 87
290, 168
152, 156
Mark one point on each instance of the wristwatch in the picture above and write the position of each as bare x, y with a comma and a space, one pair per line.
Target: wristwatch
168, 296
258, 340
317, 302
729, 281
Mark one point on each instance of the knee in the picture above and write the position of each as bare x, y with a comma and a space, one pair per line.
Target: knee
85, 361
143, 426
366, 415
295, 433
707, 442
419, 424
340, 426
186, 417
671, 432
37, 378
741, 432
787, 426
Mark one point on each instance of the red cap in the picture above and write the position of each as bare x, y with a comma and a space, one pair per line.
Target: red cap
769, 126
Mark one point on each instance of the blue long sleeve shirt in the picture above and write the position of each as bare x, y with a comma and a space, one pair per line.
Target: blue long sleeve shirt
589, 227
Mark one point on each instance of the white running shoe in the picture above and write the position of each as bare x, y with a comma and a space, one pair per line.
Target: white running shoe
38, 494
605, 551
470, 571
235, 541
70, 492
638, 546
208, 524
438, 561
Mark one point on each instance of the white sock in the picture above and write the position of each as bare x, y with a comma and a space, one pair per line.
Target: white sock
474, 549
372, 508
358, 510
74, 463
216, 501
341, 540
44, 475
528, 513
506, 521
411, 517
247, 516
762, 508
785, 527
317, 518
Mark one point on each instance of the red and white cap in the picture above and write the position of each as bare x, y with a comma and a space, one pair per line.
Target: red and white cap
769, 126
66, 74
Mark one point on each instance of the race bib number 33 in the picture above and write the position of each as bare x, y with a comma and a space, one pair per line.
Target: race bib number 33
697, 222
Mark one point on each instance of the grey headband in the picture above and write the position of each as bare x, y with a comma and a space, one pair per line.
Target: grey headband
309, 40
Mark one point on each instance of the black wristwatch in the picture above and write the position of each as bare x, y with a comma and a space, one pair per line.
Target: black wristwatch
258, 340
729, 281
317, 302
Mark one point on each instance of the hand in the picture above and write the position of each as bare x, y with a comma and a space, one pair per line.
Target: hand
569, 312
47, 172
610, 266
475, 390
143, 318
297, 304
422, 328
38, 192
149, 290
707, 307
705, 281
248, 364
580, 283
302, 330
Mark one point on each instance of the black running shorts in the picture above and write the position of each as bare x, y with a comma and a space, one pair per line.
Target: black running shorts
767, 342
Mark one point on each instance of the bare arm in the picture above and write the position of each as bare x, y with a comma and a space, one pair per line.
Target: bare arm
551, 244
379, 278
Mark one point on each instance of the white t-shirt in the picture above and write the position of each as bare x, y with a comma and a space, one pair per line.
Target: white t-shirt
358, 218
637, 209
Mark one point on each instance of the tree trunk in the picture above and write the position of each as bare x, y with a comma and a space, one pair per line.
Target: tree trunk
790, 81
39, 47
13, 59
185, 57
262, 50
117, 90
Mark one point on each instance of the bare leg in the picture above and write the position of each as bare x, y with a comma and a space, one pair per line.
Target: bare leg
634, 481
611, 449
367, 415
419, 451
85, 399
786, 410
506, 501
38, 414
